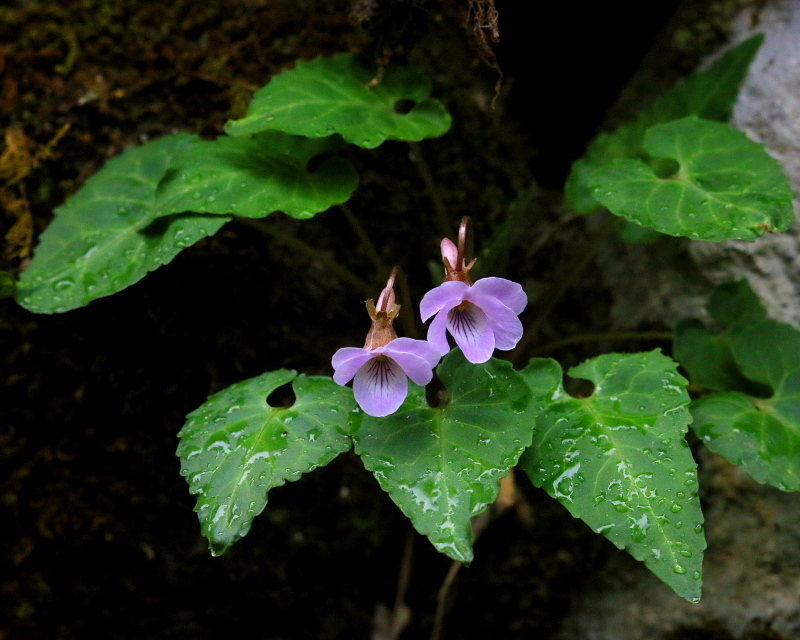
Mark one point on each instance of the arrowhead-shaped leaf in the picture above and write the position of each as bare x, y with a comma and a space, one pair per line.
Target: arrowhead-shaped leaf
335, 95
726, 186
618, 459
236, 447
709, 94
106, 237
253, 177
443, 465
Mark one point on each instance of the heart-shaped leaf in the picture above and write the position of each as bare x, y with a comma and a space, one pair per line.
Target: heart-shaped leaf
709, 94
443, 465
106, 237
236, 447
761, 434
724, 187
337, 95
706, 355
253, 177
618, 459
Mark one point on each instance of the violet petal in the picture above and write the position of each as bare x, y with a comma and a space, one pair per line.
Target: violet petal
437, 331
347, 361
509, 293
449, 293
416, 357
380, 386
472, 332
505, 324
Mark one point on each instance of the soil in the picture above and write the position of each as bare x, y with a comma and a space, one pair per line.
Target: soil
99, 538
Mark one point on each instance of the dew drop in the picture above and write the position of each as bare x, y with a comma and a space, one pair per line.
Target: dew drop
675, 508
61, 285
696, 575
679, 569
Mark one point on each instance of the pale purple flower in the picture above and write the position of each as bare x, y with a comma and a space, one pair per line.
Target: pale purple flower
381, 374
481, 317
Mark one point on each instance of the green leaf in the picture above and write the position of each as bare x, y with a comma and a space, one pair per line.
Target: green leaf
443, 465
706, 355
708, 94
725, 186
618, 459
332, 95
736, 303
253, 177
762, 435
236, 447
105, 237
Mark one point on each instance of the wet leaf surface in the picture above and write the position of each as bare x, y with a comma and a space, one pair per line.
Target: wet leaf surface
335, 95
724, 186
618, 459
236, 447
256, 176
104, 239
443, 465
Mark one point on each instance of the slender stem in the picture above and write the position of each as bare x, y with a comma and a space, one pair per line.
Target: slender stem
342, 272
442, 598
433, 192
565, 279
369, 247
599, 337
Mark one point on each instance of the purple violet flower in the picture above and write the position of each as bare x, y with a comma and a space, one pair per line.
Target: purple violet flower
481, 317
381, 367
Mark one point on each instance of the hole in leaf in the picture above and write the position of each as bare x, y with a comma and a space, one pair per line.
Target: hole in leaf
283, 396
665, 168
404, 106
757, 389
317, 161
158, 227
436, 393
578, 387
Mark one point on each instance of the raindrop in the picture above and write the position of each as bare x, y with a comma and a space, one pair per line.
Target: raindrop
679, 569
696, 575
675, 508
685, 553
698, 528
63, 284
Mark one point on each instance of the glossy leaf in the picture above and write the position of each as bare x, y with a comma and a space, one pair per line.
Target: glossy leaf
762, 435
725, 186
443, 465
618, 459
709, 94
105, 237
253, 177
236, 447
335, 95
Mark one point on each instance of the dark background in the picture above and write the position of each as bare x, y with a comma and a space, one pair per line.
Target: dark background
98, 536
